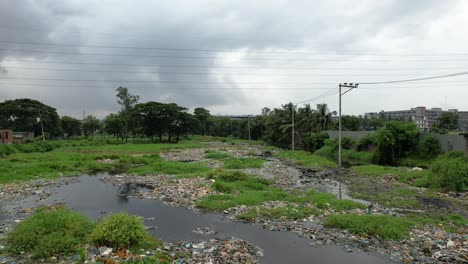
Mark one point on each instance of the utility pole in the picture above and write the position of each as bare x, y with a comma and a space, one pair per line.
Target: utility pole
340, 86
292, 116
42, 126
248, 124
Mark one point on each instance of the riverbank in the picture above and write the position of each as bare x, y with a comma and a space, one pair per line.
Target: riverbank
190, 179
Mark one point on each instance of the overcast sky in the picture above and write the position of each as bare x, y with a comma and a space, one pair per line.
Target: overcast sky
247, 54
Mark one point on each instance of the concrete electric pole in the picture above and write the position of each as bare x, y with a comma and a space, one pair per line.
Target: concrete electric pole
340, 86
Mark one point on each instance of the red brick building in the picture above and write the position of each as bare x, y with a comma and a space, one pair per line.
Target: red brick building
6, 136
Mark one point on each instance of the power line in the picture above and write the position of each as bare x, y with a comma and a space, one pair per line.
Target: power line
224, 50
200, 66
159, 87
213, 57
159, 72
240, 88
420, 79
326, 94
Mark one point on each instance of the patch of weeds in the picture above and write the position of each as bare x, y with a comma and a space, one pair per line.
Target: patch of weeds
48, 232
383, 226
217, 155
306, 159
403, 174
170, 167
243, 163
329, 201
283, 212
121, 231
254, 191
227, 175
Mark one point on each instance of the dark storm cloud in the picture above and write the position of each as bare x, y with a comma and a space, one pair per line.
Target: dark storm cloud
338, 26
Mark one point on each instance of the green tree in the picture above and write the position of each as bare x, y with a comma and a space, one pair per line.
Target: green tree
395, 140
90, 125
204, 116
23, 115
429, 147
351, 123
71, 126
446, 121
127, 102
324, 117
113, 124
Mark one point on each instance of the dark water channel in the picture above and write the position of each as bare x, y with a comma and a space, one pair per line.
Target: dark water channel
96, 199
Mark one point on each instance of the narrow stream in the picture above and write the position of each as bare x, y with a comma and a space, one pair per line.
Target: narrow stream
96, 199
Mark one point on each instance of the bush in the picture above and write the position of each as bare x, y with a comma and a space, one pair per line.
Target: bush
119, 231
429, 147
395, 141
317, 141
49, 232
229, 176
450, 172
365, 142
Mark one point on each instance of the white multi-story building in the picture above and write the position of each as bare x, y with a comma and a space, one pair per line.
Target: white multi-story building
422, 117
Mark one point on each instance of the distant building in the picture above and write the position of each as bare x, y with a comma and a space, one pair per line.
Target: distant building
463, 120
7, 136
423, 118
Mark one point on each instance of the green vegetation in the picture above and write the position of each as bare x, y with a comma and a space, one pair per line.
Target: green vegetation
383, 226
217, 155
237, 189
283, 212
429, 147
450, 172
305, 158
403, 174
392, 227
170, 167
121, 231
49, 232
242, 163
60, 231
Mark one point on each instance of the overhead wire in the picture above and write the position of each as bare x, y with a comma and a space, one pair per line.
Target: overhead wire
23, 42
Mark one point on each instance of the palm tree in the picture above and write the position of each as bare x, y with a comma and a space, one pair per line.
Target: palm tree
305, 123
323, 117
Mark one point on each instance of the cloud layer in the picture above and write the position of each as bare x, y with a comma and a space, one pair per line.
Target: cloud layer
257, 53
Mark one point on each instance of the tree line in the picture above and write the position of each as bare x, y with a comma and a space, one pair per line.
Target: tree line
169, 121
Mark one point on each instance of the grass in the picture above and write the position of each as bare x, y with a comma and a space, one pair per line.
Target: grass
357, 157
217, 155
50, 232
283, 212
170, 167
73, 161
392, 227
399, 198
242, 163
253, 191
383, 226
58, 231
403, 174
305, 158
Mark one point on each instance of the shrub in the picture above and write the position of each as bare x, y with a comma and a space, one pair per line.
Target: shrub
120, 231
429, 147
365, 142
48, 232
317, 141
384, 226
450, 172
228, 176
